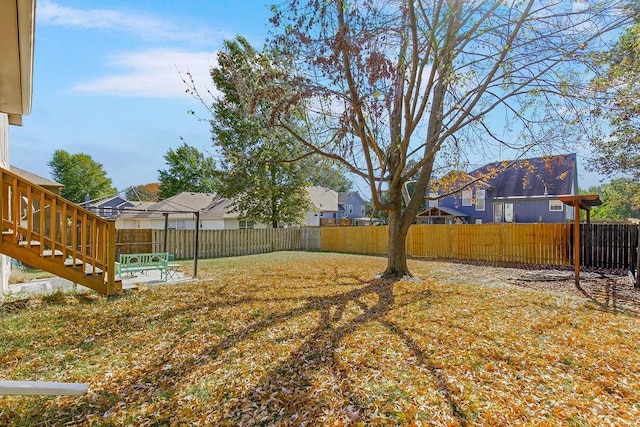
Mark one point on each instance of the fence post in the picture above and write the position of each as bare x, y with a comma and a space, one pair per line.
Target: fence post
637, 284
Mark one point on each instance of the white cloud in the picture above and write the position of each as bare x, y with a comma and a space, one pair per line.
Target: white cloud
143, 25
154, 73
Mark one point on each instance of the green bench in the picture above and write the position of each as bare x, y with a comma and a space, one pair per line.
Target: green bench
131, 263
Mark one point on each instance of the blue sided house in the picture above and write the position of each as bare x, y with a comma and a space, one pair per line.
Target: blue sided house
351, 205
524, 191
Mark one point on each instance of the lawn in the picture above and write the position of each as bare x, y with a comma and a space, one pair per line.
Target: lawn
311, 339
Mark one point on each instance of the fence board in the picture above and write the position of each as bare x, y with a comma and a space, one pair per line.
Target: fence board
544, 244
612, 246
608, 246
223, 243
133, 241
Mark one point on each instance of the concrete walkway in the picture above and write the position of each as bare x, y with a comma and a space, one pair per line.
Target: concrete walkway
129, 282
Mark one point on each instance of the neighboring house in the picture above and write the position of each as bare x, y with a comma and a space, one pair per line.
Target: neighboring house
351, 205
17, 35
324, 205
50, 185
109, 207
215, 214
525, 192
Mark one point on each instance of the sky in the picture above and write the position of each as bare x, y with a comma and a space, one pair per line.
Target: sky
107, 81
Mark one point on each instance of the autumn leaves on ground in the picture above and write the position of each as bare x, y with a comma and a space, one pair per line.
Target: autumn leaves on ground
312, 339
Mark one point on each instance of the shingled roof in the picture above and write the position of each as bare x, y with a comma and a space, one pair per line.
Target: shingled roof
549, 175
209, 205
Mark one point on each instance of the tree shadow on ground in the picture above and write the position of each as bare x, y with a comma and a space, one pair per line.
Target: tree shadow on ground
287, 392
612, 296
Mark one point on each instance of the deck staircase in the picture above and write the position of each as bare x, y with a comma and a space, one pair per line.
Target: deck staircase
46, 231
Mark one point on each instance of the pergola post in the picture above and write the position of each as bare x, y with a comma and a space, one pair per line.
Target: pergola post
637, 284
576, 243
166, 230
586, 202
195, 255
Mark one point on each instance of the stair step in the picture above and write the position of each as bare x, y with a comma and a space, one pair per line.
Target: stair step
24, 243
47, 252
89, 271
69, 262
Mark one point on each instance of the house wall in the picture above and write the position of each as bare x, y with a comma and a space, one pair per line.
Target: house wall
111, 207
525, 210
313, 219
176, 223
357, 204
5, 261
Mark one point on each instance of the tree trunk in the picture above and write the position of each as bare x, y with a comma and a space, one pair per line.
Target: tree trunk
396, 251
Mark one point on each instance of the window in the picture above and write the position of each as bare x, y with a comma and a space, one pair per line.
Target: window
349, 209
245, 225
555, 205
362, 211
480, 195
466, 197
433, 203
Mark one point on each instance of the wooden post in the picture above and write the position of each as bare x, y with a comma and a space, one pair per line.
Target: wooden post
111, 258
637, 285
587, 241
576, 241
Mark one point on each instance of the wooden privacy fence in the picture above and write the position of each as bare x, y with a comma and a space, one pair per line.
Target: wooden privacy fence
133, 242
220, 243
609, 246
544, 244
603, 245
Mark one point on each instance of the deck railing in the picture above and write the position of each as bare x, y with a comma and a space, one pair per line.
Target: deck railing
38, 218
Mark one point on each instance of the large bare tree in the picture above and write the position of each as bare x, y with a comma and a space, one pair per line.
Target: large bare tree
392, 89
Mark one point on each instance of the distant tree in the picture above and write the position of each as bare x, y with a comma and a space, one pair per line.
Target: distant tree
619, 103
259, 172
188, 170
143, 193
324, 173
620, 199
81, 176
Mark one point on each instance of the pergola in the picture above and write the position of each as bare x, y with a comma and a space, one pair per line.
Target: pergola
581, 201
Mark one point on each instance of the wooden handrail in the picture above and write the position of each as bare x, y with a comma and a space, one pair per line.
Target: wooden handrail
37, 217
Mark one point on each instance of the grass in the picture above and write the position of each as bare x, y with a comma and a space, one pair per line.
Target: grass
311, 338
27, 274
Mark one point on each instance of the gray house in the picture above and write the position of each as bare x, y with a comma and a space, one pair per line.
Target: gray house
525, 192
109, 207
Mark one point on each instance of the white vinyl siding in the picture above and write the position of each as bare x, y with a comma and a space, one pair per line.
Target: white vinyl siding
433, 203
